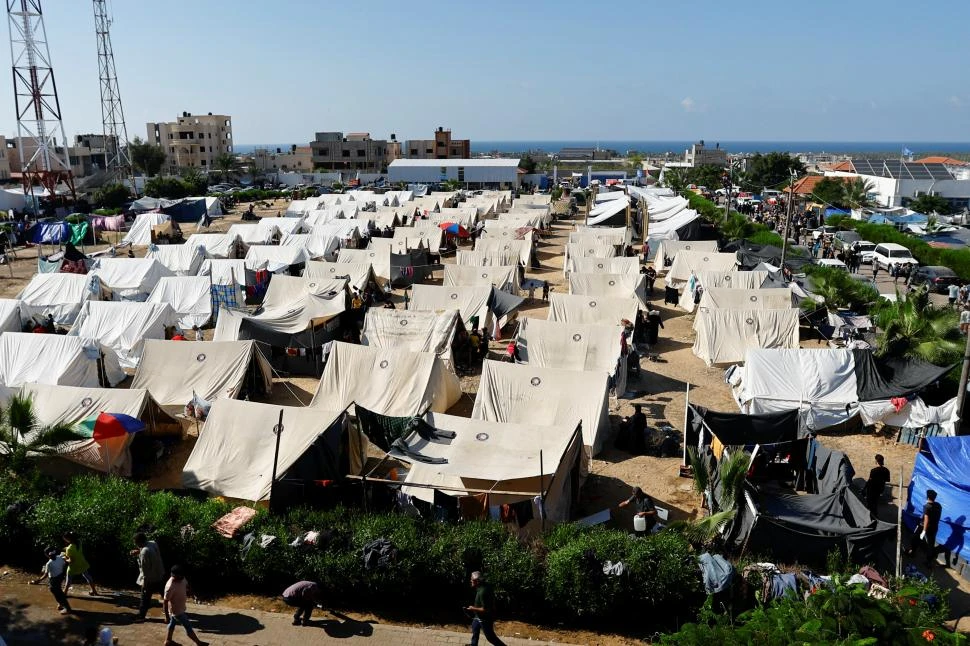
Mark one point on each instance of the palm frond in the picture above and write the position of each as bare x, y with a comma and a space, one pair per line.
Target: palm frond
701, 475
732, 471
20, 414
705, 530
51, 437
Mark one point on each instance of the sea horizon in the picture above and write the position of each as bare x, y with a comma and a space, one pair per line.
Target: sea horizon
677, 147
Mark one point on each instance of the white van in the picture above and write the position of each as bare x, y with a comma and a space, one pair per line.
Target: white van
890, 253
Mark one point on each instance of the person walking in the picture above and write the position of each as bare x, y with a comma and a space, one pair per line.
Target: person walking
545, 290
875, 269
55, 570
484, 610
651, 275
953, 292
304, 596
174, 602
151, 572
77, 565
875, 485
654, 324
925, 534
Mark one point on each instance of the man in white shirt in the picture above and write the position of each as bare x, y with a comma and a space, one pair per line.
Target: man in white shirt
54, 571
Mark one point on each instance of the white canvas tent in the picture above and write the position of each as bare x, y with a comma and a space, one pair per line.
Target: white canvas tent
359, 275
490, 258
180, 259
314, 244
71, 405
286, 226
576, 250
610, 286
670, 248
10, 315
189, 296
234, 455
292, 305
499, 457
574, 346
54, 359
275, 258
522, 249
505, 278
217, 245
575, 308
251, 234
432, 332
693, 262
123, 327
740, 280
140, 233
129, 279
517, 394
378, 259
386, 381
746, 299
60, 295
617, 265
224, 271
726, 335
175, 370
469, 301
612, 235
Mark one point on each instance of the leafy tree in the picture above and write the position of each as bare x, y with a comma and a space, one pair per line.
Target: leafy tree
258, 175
169, 188
22, 436
635, 160
145, 157
771, 170
724, 503
528, 164
675, 179
736, 227
839, 290
829, 190
451, 185
930, 204
112, 196
855, 194
195, 182
708, 175
912, 328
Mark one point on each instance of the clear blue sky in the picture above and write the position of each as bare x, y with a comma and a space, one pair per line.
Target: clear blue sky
857, 70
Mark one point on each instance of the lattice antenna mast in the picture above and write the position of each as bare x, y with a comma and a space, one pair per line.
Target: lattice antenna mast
35, 100
117, 160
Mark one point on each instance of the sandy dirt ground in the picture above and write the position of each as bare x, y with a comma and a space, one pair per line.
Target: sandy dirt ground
661, 389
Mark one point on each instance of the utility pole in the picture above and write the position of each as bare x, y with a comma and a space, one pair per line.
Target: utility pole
788, 214
117, 161
35, 101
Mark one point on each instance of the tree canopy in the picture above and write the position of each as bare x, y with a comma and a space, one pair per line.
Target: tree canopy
829, 190
528, 164
771, 170
927, 204
112, 196
146, 157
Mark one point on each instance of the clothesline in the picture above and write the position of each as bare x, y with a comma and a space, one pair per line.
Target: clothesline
444, 487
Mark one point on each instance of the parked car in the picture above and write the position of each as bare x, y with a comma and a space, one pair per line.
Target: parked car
937, 278
865, 249
824, 230
890, 253
843, 239
832, 262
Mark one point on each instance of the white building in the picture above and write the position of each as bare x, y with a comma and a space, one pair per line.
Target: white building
471, 173
896, 183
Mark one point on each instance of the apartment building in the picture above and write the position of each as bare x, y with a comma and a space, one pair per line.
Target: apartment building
335, 152
441, 147
296, 158
192, 141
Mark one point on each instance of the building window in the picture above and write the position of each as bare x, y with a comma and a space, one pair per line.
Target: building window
461, 173
414, 152
360, 153
202, 162
345, 153
444, 171
324, 152
428, 151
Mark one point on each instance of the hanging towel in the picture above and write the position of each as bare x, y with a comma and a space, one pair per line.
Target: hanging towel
474, 507
540, 508
523, 512
507, 514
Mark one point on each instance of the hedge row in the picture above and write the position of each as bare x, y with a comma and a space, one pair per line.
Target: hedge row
558, 576
956, 259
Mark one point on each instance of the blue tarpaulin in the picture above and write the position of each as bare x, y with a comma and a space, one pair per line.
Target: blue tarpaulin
50, 233
912, 218
942, 466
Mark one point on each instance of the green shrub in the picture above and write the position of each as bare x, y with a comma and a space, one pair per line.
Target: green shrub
112, 196
108, 211
169, 188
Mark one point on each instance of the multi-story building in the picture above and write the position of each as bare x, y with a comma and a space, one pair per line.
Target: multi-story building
393, 149
87, 155
5, 159
192, 141
441, 147
334, 152
297, 158
586, 154
700, 155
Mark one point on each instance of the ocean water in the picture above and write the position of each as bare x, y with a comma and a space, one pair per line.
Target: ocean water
890, 148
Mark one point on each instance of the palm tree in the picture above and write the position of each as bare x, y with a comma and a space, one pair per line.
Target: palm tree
23, 437
226, 164
838, 290
732, 471
912, 328
451, 185
258, 174
855, 194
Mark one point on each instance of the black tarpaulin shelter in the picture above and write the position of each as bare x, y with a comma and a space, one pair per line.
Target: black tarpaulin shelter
738, 429
410, 267
887, 378
750, 255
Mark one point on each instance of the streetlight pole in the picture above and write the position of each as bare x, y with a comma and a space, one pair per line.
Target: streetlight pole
788, 213
962, 391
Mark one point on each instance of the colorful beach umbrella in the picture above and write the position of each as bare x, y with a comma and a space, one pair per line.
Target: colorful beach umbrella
454, 228
108, 425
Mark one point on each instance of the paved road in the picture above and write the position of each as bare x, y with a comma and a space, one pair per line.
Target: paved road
28, 617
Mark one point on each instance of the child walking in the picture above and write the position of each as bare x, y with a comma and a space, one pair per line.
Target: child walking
54, 571
77, 565
174, 602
